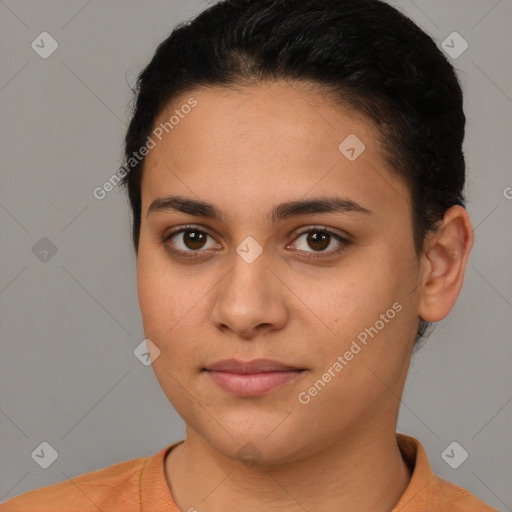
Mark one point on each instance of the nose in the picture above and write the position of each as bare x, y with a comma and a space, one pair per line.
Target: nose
250, 301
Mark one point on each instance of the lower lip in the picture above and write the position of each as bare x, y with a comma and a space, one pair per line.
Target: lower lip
252, 384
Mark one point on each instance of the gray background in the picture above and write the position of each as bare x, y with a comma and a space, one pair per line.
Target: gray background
69, 325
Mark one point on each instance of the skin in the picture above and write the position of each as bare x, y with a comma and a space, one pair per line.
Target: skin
246, 150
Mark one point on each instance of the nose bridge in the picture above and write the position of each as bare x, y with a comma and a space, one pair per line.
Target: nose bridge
249, 295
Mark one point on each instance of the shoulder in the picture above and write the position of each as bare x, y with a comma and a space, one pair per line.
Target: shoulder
446, 496
427, 491
113, 488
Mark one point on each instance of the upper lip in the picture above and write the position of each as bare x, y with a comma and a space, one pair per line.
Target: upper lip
253, 366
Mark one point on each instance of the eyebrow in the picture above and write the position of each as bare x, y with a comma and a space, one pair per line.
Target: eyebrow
281, 211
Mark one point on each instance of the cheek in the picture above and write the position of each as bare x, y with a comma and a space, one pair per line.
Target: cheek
159, 286
166, 301
158, 301
354, 297
369, 305
171, 302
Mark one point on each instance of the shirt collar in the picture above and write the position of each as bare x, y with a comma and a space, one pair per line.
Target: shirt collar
155, 493
156, 496
415, 496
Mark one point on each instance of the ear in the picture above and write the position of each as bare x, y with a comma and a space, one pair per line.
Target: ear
443, 264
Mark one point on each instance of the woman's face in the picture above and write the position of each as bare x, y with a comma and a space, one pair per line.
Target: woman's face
265, 281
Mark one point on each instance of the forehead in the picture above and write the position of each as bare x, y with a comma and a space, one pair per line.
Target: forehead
252, 146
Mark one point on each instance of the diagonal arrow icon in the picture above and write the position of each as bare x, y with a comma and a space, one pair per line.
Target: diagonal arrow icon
146, 352
44, 455
454, 45
454, 455
351, 147
249, 249
44, 45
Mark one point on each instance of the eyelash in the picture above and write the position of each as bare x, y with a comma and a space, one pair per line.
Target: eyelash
345, 243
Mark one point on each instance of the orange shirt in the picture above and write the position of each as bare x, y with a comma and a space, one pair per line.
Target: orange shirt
140, 485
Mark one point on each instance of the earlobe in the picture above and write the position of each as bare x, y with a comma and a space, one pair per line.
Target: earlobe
444, 263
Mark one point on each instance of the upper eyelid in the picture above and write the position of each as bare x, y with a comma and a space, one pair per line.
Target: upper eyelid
319, 227
190, 227
296, 232
184, 229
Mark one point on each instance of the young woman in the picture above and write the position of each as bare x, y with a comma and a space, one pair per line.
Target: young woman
295, 172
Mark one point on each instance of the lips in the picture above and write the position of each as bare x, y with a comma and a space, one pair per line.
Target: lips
254, 366
252, 378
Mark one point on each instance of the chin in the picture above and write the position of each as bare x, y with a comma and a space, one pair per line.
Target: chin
264, 441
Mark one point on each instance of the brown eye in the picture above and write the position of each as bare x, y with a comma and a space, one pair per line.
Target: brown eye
322, 241
190, 240
194, 239
318, 240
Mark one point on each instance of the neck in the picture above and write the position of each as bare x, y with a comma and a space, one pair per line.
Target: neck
362, 472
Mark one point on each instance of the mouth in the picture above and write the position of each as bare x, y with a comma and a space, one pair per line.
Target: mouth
252, 378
